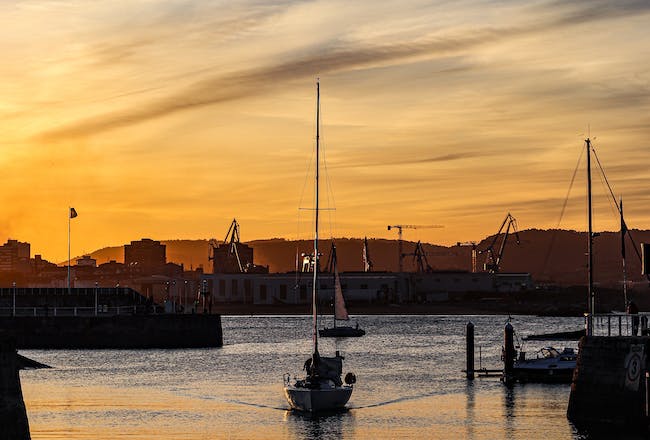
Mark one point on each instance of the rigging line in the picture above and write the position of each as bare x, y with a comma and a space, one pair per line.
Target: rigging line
329, 193
564, 205
618, 208
602, 171
603, 183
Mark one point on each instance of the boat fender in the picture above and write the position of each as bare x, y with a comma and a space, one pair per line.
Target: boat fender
350, 379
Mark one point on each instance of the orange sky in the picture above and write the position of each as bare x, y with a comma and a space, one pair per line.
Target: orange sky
168, 119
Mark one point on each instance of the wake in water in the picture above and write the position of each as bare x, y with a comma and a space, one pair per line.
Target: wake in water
398, 400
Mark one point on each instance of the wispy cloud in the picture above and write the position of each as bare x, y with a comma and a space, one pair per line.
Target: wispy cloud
337, 56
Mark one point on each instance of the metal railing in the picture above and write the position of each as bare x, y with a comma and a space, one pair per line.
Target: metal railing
618, 324
100, 310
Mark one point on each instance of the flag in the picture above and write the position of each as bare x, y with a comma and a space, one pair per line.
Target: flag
73, 213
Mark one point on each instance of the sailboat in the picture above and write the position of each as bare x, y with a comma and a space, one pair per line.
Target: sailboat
340, 311
322, 389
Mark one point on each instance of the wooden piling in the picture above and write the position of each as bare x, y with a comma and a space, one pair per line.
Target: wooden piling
469, 333
509, 353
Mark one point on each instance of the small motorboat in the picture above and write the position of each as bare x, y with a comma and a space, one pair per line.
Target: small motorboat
548, 365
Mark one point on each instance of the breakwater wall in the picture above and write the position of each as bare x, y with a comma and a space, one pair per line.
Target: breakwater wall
609, 384
13, 416
121, 331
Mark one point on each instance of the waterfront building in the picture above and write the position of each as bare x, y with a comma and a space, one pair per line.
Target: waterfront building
14, 257
363, 287
145, 256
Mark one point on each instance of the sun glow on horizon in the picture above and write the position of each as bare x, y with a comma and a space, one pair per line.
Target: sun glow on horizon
168, 119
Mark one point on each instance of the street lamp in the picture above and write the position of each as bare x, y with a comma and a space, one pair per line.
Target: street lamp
184, 296
13, 310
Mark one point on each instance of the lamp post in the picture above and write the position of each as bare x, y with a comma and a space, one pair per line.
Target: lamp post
174, 296
96, 284
184, 296
13, 310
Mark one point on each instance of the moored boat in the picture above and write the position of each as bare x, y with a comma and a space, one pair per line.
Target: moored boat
322, 389
340, 310
548, 365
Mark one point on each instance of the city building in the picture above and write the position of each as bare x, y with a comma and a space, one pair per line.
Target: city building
14, 257
145, 256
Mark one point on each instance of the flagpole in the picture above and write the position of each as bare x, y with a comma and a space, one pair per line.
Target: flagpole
69, 219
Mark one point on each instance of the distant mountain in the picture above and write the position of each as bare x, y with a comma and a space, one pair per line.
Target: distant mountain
553, 256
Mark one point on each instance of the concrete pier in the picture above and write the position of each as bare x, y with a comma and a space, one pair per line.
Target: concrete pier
122, 331
609, 384
13, 416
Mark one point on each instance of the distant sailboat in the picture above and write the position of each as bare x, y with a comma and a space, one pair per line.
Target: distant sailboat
322, 389
340, 311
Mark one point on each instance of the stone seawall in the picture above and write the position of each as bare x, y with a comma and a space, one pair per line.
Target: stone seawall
13, 416
609, 384
122, 331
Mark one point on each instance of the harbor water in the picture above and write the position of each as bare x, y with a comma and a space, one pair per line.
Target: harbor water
410, 384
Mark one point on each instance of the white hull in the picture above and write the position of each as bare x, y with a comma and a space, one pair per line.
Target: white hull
321, 400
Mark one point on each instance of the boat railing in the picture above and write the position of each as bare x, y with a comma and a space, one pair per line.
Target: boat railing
618, 324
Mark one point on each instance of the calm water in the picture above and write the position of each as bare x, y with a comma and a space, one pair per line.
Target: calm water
408, 368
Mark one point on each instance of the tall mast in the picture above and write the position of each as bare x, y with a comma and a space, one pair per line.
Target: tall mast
623, 232
590, 240
315, 280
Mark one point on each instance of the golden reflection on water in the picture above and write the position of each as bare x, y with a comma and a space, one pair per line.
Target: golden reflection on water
102, 412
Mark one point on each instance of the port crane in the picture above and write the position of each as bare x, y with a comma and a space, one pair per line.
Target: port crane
474, 252
231, 240
400, 244
493, 259
420, 259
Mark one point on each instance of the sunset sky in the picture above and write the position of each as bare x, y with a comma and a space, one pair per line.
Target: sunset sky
166, 119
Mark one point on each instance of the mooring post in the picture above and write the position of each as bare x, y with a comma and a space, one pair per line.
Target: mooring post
469, 333
509, 353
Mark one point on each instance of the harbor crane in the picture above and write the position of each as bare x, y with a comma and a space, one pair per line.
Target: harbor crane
493, 259
400, 244
231, 240
474, 252
420, 259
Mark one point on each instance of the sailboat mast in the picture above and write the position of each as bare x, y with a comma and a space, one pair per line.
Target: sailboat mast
315, 280
623, 231
590, 239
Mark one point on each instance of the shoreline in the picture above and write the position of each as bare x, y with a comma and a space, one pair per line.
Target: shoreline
395, 309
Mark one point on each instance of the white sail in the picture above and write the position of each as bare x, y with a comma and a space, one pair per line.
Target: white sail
340, 312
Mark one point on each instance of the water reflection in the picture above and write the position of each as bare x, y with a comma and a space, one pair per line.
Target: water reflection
469, 408
509, 410
319, 426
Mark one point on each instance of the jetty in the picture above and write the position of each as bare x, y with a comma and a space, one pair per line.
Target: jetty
111, 318
612, 377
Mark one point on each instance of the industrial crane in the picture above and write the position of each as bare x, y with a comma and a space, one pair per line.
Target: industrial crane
474, 252
231, 240
399, 238
493, 260
420, 259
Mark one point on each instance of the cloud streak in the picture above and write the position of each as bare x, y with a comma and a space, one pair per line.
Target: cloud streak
339, 56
